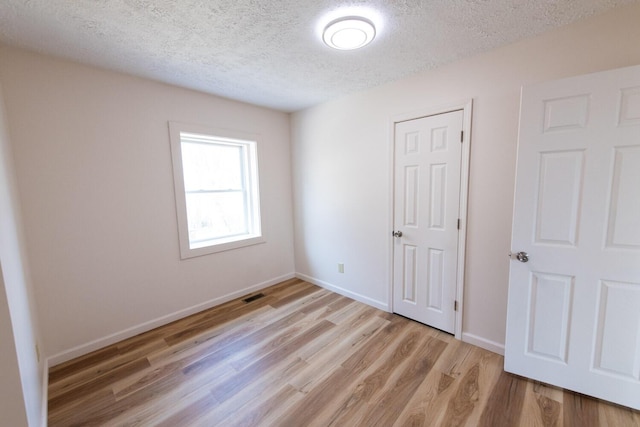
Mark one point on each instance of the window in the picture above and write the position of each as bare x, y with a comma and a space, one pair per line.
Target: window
216, 183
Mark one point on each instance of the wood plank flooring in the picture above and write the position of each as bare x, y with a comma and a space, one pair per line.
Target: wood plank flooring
303, 356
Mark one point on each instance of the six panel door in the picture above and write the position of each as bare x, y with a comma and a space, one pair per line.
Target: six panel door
574, 307
427, 200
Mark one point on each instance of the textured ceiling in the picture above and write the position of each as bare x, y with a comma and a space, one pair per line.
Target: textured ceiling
269, 52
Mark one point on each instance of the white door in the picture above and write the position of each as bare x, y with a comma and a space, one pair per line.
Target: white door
427, 202
574, 308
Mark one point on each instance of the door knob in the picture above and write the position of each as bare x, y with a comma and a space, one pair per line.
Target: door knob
520, 256
397, 233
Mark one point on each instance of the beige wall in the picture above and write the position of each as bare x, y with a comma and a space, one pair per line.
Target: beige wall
21, 374
93, 166
342, 170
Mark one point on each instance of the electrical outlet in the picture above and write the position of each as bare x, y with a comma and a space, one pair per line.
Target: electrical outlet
340, 267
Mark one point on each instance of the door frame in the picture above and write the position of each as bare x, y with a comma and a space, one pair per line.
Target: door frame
466, 106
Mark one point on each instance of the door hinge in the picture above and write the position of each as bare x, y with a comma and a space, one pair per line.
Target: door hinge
458, 223
461, 136
455, 306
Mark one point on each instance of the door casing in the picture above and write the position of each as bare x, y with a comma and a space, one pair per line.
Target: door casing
466, 106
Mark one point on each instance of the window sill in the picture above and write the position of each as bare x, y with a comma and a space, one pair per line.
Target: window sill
186, 252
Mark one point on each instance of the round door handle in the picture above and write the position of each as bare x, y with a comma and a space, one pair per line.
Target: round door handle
397, 233
520, 256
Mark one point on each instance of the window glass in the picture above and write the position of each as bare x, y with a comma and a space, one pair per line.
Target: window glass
211, 166
215, 216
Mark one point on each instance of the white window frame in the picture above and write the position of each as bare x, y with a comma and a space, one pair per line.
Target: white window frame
179, 130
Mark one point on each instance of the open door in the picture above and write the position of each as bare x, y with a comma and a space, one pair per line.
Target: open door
574, 286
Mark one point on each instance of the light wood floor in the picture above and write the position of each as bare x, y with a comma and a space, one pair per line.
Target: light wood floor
303, 356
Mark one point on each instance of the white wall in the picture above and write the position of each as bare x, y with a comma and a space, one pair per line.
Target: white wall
342, 173
21, 388
93, 167
12, 405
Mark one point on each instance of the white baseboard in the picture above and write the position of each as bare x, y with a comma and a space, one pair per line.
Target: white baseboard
44, 409
152, 324
353, 295
483, 343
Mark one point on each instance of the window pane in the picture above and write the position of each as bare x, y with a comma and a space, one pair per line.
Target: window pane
211, 166
215, 215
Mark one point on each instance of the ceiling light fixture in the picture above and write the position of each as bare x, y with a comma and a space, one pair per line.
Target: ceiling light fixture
352, 32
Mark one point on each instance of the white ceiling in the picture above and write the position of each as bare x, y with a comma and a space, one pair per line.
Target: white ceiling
269, 52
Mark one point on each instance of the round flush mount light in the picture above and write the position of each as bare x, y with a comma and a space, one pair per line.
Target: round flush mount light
349, 33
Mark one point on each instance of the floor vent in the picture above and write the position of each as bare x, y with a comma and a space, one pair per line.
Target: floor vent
253, 297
